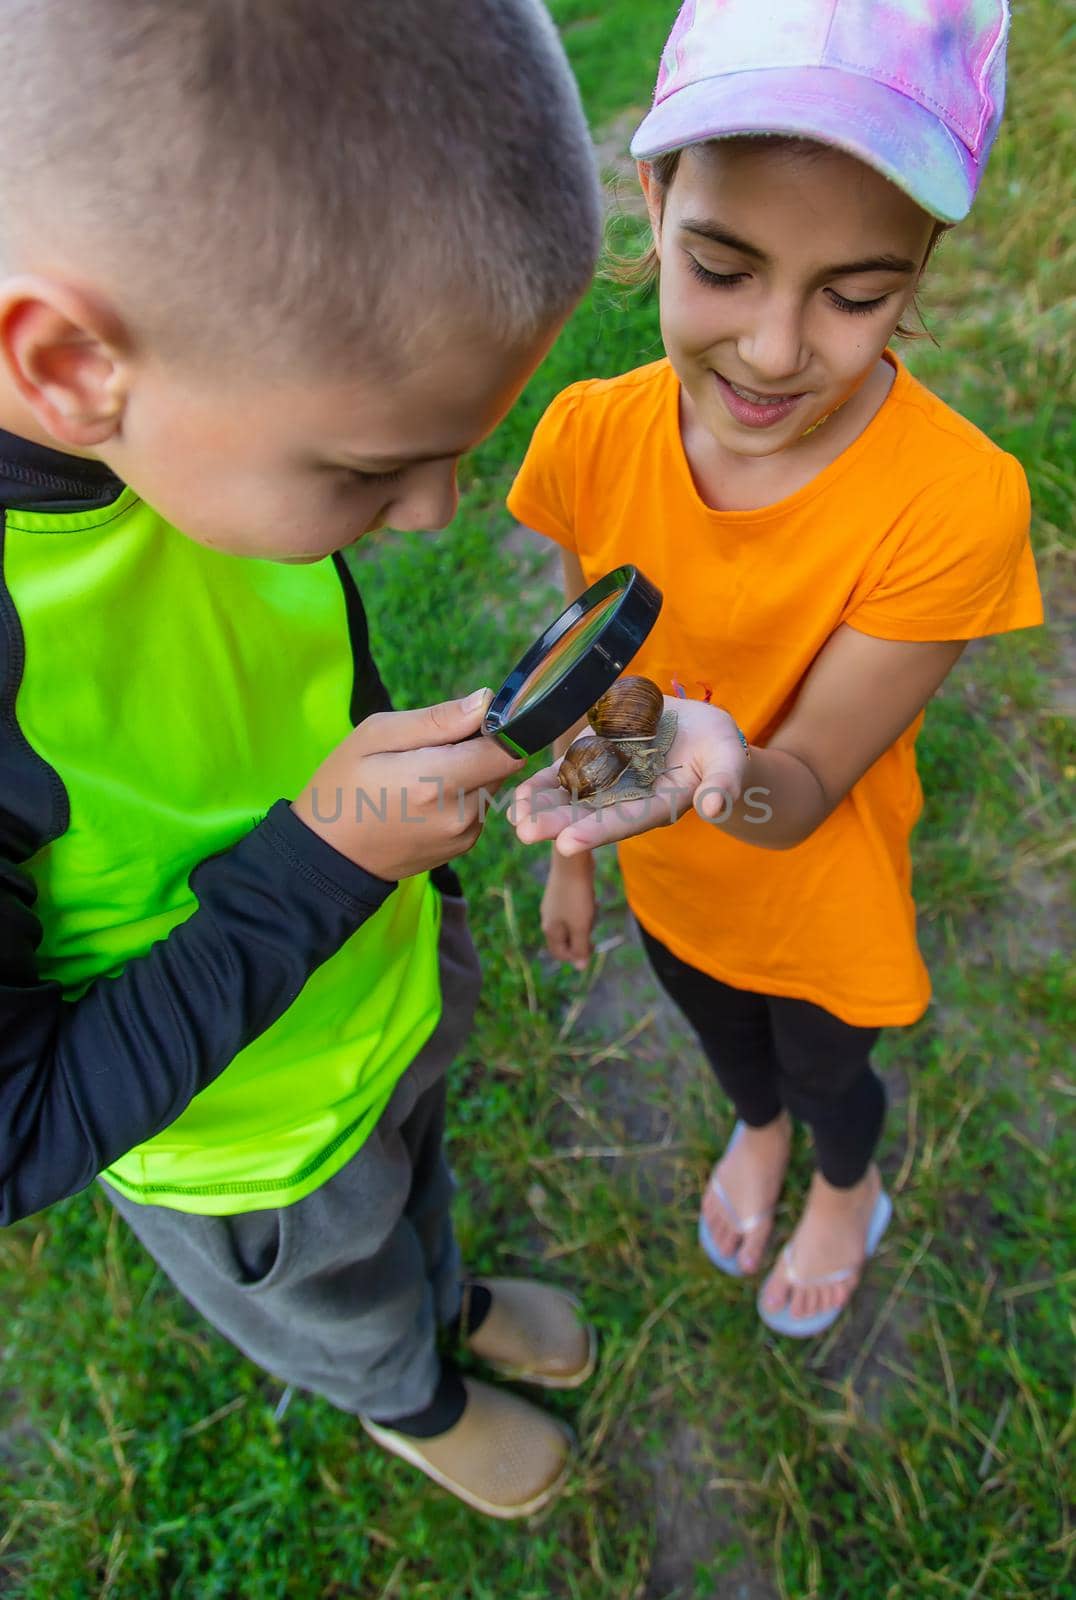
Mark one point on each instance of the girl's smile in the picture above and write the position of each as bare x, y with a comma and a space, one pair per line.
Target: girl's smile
755, 410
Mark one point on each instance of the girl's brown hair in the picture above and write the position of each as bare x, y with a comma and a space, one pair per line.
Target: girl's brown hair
642, 271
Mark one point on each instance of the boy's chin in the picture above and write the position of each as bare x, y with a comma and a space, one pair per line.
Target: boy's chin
282, 557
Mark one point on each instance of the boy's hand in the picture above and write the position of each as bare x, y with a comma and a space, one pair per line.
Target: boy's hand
568, 909
407, 790
704, 769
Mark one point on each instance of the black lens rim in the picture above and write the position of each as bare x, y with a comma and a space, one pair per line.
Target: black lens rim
628, 625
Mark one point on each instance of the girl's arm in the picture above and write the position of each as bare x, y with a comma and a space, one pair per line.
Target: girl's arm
856, 700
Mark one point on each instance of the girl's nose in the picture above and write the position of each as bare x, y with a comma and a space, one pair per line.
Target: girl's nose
772, 348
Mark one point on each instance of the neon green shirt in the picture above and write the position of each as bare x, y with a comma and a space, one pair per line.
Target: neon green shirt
176, 693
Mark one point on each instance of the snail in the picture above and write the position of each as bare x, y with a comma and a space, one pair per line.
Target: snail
623, 757
590, 765
631, 709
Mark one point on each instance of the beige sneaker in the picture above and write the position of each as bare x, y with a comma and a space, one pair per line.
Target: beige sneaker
503, 1457
532, 1333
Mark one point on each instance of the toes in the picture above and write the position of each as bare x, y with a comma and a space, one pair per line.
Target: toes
775, 1293
753, 1249
721, 1232
726, 1235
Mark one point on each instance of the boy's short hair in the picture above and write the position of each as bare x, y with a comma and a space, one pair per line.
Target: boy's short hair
298, 177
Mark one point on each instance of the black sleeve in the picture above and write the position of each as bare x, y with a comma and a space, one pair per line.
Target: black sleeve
81, 1083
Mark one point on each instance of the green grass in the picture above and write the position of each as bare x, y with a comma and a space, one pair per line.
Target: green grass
921, 1451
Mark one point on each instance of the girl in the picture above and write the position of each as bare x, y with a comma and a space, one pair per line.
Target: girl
828, 535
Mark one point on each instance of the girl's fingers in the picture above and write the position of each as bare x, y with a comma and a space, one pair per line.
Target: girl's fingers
704, 771
542, 815
567, 943
613, 823
716, 795
579, 948
546, 778
537, 793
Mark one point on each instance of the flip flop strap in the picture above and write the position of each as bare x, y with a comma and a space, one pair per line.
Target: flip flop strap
744, 1224
842, 1274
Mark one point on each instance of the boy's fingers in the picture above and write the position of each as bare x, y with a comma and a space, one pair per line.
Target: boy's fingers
392, 732
472, 765
444, 735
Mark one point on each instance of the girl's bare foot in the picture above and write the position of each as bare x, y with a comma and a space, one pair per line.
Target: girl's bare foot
830, 1237
751, 1173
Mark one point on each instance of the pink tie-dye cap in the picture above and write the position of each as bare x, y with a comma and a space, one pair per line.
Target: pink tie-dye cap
915, 88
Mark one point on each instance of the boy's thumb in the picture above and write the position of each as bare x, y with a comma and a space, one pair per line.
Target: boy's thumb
453, 720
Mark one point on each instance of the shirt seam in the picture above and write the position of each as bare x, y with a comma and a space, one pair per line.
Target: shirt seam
314, 876
77, 521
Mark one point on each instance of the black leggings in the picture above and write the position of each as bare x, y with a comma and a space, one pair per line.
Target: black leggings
772, 1054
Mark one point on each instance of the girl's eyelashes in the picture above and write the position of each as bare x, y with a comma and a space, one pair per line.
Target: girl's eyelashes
719, 280
727, 280
856, 308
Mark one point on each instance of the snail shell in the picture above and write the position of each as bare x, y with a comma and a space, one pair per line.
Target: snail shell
631, 709
591, 765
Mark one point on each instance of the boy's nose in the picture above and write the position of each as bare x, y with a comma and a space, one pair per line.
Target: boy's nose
428, 502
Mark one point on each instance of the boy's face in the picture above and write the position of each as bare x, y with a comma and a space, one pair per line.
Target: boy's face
783, 278
294, 469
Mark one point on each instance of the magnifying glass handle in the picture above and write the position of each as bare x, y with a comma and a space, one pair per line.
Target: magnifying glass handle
500, 737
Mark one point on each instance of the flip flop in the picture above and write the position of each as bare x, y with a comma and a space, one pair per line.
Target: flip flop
783, 1321
743, 1225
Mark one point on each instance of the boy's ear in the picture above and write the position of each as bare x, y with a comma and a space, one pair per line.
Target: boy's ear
66, 354
653, 196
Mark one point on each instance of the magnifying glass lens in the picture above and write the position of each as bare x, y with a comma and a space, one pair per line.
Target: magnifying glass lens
573, 663
562, 658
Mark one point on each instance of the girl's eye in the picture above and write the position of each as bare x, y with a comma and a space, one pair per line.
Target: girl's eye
718, 280
856, 308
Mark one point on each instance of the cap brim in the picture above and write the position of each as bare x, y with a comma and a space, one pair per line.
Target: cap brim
880, 126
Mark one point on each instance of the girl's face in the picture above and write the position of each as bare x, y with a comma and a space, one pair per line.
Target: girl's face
783, 277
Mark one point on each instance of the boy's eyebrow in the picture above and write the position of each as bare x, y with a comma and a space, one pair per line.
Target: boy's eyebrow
843, 269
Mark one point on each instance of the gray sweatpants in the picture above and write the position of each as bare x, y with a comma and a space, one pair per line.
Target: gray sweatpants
343, 1291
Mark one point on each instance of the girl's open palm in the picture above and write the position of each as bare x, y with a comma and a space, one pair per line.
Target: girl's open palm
704, 770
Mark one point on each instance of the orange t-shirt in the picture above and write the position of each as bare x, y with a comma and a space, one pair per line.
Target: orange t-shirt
918, 531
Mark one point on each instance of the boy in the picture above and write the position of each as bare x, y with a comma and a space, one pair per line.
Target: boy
268, 271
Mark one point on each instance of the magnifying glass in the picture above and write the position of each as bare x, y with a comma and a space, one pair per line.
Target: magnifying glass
573, 663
